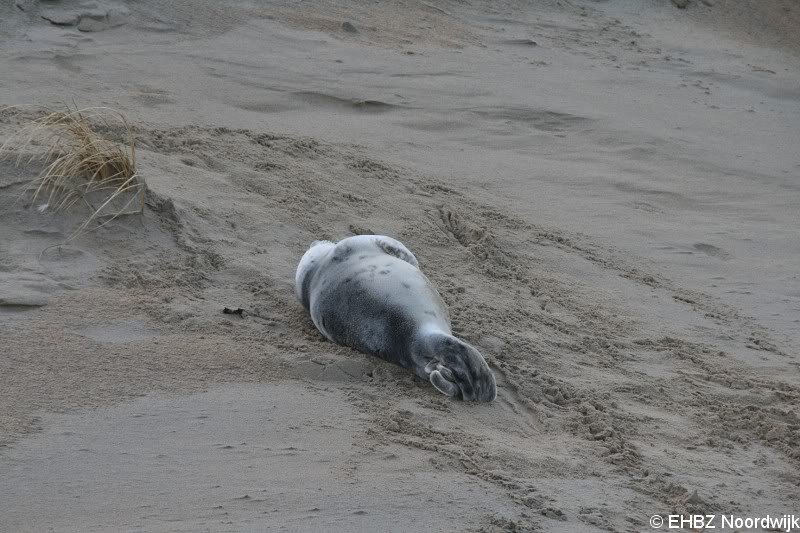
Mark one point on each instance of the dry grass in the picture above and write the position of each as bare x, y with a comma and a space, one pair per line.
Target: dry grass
81, 167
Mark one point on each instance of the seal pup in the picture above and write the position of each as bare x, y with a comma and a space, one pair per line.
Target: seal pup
367, 292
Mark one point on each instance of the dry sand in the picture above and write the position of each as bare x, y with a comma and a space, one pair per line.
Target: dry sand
606, 194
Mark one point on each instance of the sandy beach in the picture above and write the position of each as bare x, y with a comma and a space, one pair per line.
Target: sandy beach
605, 193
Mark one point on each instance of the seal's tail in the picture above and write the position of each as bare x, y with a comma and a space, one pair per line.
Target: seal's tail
457, 367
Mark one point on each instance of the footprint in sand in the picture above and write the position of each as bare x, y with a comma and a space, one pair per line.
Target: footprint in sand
710, 249
24, 291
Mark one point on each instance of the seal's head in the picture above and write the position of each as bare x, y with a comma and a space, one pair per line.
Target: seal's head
458, 369
306, 268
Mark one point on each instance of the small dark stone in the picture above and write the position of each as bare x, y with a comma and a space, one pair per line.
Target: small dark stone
348, 27
238, 311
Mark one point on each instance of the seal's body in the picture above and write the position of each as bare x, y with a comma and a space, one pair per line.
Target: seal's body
368, 293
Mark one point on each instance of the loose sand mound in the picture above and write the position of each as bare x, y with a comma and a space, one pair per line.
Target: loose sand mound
596, 394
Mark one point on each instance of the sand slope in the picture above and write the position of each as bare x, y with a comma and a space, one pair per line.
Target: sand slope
605, 194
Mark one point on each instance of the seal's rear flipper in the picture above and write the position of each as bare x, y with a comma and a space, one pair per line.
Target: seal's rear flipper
442, 385
459, 366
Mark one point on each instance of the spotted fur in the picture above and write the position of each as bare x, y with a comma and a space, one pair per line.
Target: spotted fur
368, 293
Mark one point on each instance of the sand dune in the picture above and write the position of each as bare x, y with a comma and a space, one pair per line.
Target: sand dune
605, 194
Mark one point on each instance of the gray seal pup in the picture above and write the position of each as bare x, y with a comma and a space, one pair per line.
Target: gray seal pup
367, 292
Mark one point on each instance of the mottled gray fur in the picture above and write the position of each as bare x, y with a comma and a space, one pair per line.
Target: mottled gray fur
368, 293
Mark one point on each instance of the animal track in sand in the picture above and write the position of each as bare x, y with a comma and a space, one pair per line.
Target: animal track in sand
710, 249
540, 119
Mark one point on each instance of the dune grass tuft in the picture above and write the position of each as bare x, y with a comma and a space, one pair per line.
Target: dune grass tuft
81, 166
